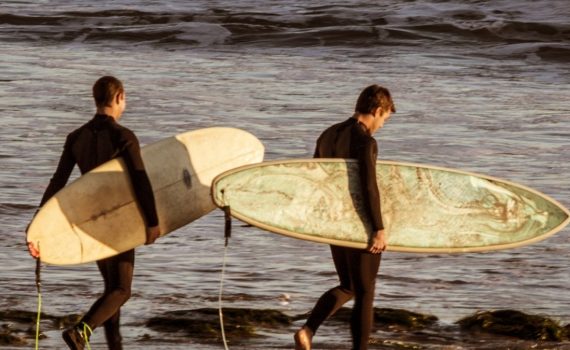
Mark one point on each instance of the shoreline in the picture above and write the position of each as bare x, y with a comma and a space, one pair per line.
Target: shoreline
394, 329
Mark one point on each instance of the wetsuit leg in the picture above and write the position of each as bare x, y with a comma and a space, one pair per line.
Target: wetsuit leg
363, 270
112, 331
117, 272
104, 269
335, 298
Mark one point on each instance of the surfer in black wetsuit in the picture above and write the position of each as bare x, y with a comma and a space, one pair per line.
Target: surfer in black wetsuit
356, 268
96, 142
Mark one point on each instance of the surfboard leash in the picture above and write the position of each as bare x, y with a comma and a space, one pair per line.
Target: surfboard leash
228, 220
227, 235
39, 289
86, 337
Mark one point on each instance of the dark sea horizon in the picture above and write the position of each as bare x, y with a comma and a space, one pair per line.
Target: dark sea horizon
479, 86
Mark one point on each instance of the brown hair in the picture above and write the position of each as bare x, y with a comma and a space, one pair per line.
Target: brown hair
105, 89
372, 97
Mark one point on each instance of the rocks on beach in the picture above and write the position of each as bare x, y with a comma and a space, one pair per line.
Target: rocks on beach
17, 328
516, 324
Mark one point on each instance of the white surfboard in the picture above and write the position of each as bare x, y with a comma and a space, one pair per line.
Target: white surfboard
97, 215
426, 209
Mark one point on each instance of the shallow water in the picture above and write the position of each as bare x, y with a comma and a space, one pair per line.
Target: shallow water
479, 87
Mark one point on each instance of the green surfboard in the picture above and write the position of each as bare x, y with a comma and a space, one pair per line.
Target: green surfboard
425, 209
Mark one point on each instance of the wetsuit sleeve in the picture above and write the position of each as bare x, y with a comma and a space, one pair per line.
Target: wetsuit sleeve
367, 166
62, 173
141, 184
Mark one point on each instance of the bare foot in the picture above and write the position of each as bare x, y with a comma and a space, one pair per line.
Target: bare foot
303, 339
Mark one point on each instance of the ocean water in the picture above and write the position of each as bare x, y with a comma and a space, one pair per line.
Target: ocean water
481, 86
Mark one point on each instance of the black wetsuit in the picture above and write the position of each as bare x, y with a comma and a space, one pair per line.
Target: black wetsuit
94, 143
356, 268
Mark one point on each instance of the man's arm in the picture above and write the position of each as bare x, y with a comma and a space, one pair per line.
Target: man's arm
367, 168
62, 173
141, 184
